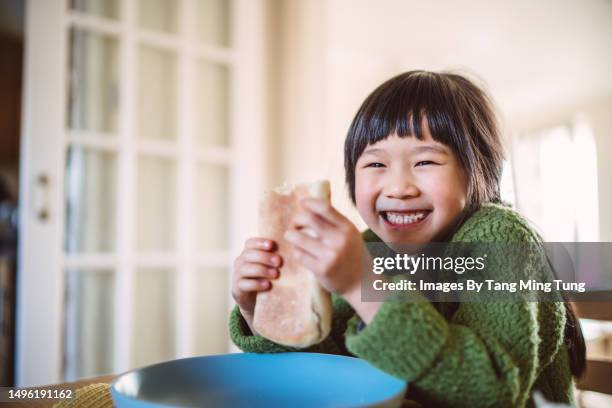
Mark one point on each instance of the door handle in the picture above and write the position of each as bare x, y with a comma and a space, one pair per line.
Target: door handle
42, 192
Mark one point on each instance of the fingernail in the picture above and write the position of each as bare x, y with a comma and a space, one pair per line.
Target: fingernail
272, 273
275, 260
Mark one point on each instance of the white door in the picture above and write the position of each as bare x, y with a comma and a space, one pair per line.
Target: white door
141, 159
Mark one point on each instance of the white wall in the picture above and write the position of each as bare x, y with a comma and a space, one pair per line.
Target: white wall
536, 58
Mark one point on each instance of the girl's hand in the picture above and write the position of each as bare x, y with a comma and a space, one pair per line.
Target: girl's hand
253, 269
328, 244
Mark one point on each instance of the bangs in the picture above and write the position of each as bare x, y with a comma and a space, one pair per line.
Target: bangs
399, 107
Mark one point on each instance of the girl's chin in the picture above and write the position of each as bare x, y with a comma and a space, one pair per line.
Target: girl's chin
404, 237
409, 240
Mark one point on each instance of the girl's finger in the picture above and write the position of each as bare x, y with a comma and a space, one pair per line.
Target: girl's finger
324, 209
301, 240
310, 221
305, 259
264, 244
254, 270
261, 257
253, 285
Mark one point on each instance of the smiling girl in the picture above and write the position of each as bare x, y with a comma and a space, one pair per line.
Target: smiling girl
423, 161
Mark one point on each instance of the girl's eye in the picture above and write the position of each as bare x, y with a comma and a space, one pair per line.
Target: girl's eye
424, 163
375, 165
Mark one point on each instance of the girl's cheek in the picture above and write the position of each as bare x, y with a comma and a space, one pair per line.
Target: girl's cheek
447, 191
365, 195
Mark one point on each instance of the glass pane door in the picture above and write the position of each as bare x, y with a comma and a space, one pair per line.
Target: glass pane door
90, 194
148, 164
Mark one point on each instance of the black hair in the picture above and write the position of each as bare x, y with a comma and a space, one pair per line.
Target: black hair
460, 115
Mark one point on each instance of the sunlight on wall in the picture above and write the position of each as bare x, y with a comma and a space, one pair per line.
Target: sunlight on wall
558, 180
506, 184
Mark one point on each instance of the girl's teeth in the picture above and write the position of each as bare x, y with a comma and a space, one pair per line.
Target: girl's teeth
399, 218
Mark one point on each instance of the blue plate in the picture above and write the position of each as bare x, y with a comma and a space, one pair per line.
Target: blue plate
284, 380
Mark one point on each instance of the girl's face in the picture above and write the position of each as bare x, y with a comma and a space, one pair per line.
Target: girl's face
409, 190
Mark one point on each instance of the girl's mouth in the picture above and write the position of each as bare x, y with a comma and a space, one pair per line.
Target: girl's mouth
404, 219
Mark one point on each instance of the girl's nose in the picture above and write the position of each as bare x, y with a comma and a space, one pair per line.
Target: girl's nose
401, 187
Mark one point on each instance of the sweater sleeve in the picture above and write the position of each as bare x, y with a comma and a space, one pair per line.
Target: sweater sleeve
486, 354
242, 337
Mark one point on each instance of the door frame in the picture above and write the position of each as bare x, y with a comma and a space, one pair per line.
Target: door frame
39, 281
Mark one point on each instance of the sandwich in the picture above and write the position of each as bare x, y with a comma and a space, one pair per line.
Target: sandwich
296, 311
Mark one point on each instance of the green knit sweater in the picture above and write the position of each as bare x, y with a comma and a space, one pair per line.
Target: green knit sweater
472, 354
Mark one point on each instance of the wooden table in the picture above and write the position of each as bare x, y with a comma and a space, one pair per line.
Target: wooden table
61, 386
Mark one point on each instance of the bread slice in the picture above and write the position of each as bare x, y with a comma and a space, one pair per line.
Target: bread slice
296, 311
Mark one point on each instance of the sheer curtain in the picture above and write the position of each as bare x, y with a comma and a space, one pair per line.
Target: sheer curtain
555, 181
